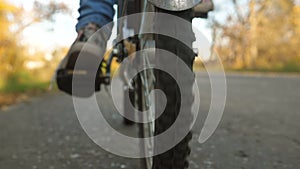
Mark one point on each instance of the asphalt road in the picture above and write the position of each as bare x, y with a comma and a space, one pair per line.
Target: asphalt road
260, 129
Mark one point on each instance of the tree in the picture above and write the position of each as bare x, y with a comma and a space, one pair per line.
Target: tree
16, 20
264, 35
6, 37
13, 21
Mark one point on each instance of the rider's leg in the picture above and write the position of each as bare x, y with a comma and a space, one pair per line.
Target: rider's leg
99, 12
94, 14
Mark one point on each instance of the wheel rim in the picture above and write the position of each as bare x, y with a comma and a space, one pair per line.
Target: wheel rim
149, 133
149, 115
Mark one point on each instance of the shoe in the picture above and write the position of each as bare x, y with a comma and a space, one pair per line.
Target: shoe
75, 74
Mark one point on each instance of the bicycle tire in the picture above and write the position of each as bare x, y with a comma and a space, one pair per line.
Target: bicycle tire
176, 157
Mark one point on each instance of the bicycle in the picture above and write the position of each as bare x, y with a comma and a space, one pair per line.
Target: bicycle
139, 88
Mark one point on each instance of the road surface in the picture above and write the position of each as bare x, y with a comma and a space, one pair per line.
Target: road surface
260, 129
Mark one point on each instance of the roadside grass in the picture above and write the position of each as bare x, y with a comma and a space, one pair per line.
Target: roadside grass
22, 82
19, 87
286, 69
292, 67
14, 88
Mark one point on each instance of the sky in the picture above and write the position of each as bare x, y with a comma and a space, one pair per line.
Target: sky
48, 36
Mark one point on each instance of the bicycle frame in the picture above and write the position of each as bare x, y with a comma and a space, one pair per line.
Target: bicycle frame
127, 7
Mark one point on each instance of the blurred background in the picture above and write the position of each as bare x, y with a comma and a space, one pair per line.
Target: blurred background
33, 41
248, 35
256, 40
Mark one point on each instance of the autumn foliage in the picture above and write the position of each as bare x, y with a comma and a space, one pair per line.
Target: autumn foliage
256, 35
260, 35
15, 58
